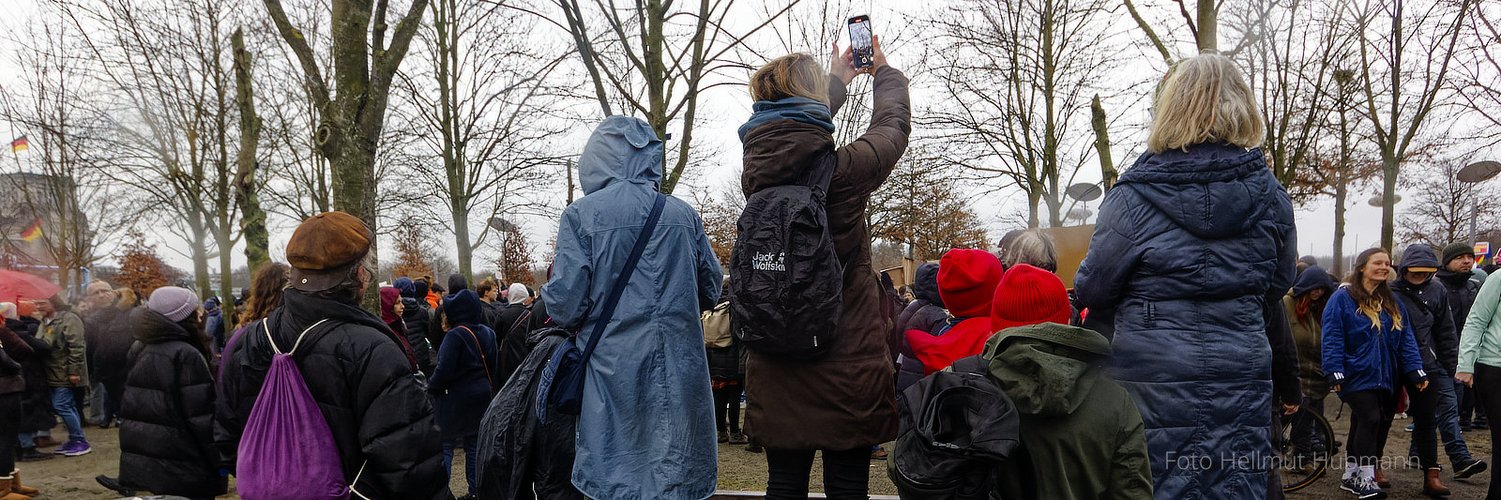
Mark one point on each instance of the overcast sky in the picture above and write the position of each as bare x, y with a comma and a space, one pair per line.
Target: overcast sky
727, 107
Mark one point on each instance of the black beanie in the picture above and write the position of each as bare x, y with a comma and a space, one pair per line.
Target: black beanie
1455, 250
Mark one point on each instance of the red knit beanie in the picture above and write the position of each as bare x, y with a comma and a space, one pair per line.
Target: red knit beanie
1027, 296
966, 281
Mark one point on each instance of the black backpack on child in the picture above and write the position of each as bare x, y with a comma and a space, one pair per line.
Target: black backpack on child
786, 281
957, 425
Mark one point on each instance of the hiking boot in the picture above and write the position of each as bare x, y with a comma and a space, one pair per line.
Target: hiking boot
1481, 424
879, 454
31, 455
754, 448
47, 442
1467, 468
15, 485
114, 485
1431, 485
724, 437
76, 449
738, 437
1363, 488
1381, 480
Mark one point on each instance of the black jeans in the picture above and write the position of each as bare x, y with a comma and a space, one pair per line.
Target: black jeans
1371, 415
1488, 396
846, 474
10, 425
1422, 406
727, 407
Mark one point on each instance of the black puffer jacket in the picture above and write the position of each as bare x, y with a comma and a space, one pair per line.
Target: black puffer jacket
109, 334
417, 318
1428, 313
1462, 288
520, 458
166, 415
363, 381
19, 351
513, 345
36, 401
924, 313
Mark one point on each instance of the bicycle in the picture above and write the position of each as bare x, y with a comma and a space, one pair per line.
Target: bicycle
1304, 448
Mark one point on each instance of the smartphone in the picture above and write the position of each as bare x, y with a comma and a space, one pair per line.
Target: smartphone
860, 41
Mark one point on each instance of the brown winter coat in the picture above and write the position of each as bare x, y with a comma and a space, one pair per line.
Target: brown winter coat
847, 399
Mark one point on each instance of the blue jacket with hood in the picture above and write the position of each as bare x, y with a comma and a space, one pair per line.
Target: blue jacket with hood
1190, 249
647, 427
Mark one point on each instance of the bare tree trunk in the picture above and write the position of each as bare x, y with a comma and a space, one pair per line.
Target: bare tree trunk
1108, 174
252, 217
1208, 38
198, 250
1341, 201
1390, 167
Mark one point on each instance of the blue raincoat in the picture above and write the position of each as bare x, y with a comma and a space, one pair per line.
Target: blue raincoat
647, 428
1189, 249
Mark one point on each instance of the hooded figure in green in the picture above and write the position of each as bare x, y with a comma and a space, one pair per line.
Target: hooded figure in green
1081, 432
647, 424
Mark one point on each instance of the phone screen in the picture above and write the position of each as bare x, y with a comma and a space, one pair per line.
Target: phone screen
860, 41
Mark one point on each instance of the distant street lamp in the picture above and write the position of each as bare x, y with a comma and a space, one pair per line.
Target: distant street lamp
1083, 192
1471, 175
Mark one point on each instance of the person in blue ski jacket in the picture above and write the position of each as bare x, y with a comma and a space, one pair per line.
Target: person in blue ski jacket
1368, 347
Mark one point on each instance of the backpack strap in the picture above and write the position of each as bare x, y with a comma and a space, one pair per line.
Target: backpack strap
266, 325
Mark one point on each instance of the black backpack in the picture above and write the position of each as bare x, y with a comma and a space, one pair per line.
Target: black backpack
956, 427
786, 281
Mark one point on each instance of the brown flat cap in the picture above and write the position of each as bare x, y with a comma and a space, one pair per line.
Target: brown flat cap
323, 249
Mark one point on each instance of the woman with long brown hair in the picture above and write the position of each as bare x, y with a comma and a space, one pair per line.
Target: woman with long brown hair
1368, 345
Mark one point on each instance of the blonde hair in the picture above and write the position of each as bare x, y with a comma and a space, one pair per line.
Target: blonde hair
792, 75
1204, 99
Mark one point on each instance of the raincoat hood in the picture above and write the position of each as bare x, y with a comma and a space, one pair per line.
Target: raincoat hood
1313, 278
1213, 191
1047, 369
621, 149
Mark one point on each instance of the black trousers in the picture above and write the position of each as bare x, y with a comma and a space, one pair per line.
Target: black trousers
1422, 406
1371, 415
727, 407
10, 425
846, 474
1488, 396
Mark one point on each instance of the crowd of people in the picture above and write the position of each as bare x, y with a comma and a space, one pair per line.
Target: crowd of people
1191, 327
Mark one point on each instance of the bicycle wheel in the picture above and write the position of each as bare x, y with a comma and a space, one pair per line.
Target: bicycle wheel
1304, 448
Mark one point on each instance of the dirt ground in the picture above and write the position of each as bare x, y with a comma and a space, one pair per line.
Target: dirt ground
73, 478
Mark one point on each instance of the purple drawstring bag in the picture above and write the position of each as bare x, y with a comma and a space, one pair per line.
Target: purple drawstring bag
287, 450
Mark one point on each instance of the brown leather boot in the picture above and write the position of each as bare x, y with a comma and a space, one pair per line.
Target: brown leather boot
15, 485
7, 494
1381, 479
1431, 486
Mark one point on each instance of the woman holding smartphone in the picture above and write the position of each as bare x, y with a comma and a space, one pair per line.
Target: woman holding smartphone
842, 403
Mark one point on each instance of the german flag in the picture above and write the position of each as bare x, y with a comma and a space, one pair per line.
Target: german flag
20, 144
33, 231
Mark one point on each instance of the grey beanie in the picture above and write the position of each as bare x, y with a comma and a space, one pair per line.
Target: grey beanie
173, 302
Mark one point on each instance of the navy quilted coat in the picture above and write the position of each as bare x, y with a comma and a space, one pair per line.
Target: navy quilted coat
1189, 249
